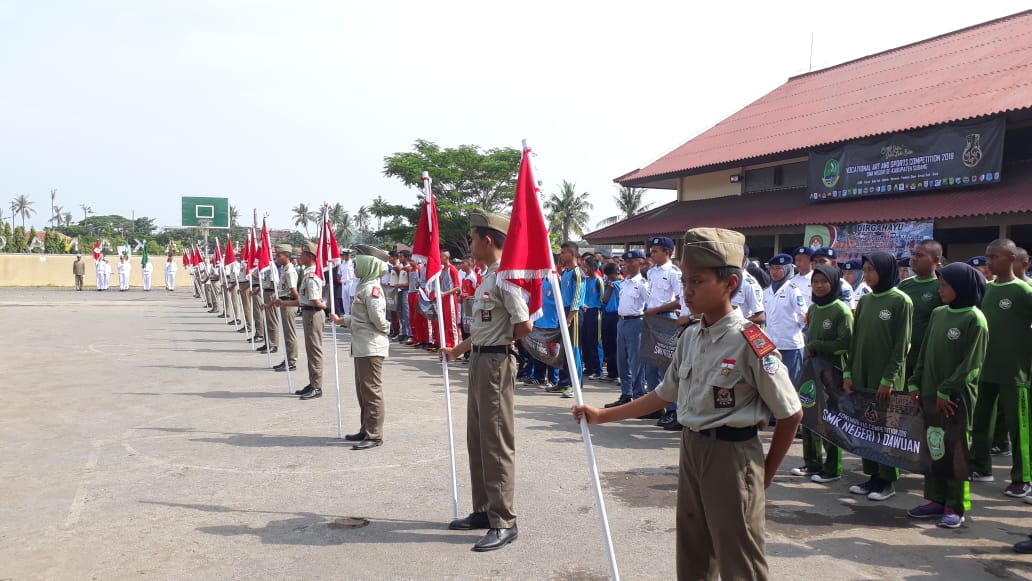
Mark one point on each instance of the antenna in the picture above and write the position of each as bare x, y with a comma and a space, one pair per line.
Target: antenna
810, 68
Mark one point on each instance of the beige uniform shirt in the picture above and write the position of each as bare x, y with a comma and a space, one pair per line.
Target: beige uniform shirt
495, 312
79, 268
368, 322
287, 281
718, 380
311, 287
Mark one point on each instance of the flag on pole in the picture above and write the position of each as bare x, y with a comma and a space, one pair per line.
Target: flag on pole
144, 259
328, 252
427, 245
265, 253
218, 252
187, 263
245, 254
254, 253
96, 250
527, 259
230, 257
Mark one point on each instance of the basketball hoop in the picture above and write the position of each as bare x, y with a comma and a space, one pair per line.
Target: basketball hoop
204, 223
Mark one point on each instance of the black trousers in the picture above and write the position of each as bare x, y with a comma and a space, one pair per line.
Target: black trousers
610, 322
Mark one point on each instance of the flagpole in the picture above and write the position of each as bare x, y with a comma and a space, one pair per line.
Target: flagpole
333, 327
282, 332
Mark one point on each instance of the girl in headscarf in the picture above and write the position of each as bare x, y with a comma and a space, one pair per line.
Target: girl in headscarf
830, 322
945, 380
877, 354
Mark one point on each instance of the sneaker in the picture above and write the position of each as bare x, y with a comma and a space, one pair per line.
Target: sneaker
950, 520
556, 388
823, 477
563, 391
930, 510
1028, 499
545, 384
998, 451
981, 477
804, 471
865, 487
1018, 490
883, 492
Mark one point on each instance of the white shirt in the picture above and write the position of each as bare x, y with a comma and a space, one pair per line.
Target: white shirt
847, 293
859, 292
633, 294
124, 268
664, 285
786, 315
171, 267
803, 283
148, 268
749, 297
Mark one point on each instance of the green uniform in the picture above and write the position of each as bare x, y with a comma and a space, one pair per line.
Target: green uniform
1008, 310
878, 352
829, 336
924, 293
948, 368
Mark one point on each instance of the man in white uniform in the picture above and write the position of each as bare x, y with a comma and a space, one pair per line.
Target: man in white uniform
170, 273
786, 314
853, 274
148, 271
664, 300
124, 268
346, 274
803, 257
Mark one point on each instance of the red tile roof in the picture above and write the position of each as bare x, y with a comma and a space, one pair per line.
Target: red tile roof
792, 208
973, 72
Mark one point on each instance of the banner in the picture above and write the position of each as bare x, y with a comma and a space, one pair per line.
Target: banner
947, 156
892, 432
854, 240
658, 340
545, 345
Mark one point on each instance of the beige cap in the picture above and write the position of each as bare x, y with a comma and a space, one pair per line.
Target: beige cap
713, 248
367, 250
284, 248
309, 247
482, 219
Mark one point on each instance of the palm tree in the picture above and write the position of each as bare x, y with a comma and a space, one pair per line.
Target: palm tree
66, 219
22, 205
234, 215
303, 217
53, 198
337, 215
343, 229
628, 201
379, 210
55, 218
568, 211
362, 218
86, 211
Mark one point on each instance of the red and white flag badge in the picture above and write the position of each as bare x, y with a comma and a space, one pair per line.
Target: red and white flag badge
726, 367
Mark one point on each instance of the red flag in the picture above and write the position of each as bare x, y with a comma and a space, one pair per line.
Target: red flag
328, 252
245, 255
230, 257
96, 250
197, 260
527, 258
427, 244
265, 252
186, 258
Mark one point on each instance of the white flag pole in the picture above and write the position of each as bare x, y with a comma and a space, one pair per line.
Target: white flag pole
279, 317
444, 362
575, 381
333, 326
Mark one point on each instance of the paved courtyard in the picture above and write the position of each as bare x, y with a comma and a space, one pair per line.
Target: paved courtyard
140, 437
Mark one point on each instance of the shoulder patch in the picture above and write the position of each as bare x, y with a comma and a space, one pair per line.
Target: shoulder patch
375, 293
758, 341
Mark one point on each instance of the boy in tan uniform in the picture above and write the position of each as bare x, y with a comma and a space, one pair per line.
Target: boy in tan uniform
727, 379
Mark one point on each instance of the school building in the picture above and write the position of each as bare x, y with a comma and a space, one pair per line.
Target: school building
932, 136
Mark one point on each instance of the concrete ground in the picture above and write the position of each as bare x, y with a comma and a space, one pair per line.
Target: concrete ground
141, 438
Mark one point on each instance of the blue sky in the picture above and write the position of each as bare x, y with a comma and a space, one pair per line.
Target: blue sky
128, 105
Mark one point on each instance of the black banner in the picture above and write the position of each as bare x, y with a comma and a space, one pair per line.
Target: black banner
896, 432
957, 155
545, 345
658, 340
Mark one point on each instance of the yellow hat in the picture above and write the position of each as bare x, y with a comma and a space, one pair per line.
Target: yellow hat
284, 248
713, 248
482, 219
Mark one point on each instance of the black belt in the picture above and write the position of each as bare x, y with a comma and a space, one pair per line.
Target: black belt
268, 290
626, 317
285, 298
726, 434
307, 308
491, 349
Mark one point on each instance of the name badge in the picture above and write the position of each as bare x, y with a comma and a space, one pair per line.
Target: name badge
723, 397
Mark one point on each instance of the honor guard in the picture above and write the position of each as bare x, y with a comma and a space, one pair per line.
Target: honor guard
287, 291
312, 302
268, 290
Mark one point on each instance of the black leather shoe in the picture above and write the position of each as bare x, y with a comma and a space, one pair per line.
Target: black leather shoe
674, 426
242, 330
475, 520
304, 390
355, 437
1023, 547
316, 392
263, 349
623, 399
259, 337
366, 444
666, 419
496, 539
292, 368
653, 416
223, 316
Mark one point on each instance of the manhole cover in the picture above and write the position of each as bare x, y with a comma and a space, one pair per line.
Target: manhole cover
348, 522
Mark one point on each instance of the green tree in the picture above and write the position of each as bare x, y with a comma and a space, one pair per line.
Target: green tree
86, 211
362, 219
234, 216
33, 235
568, 211
143, 226
303, 216
17, 242
53, 243
629, 203
66, 219
379, 211
54, 211
8, 235
21, 206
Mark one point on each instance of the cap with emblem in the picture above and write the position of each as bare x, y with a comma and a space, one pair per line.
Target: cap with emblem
309, 247
825, 252
284, 248
851, 265
781, 260
713, 248
482, 219
662, 242
978, 261
367, 250
345, 251
632, 254
803, 250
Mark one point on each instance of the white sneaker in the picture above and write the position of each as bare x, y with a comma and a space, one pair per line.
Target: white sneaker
1027, 499
981, 477
886, 492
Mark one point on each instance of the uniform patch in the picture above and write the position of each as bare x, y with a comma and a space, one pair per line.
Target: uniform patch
953, 334
808, 394
376, 292
885, 314
771, 364
936, 437
485, 315
826, 325
927, 297
723, 397
726, 367
800, 300
1005, 304
760, 343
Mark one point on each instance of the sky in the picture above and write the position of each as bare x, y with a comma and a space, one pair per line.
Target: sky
126, 106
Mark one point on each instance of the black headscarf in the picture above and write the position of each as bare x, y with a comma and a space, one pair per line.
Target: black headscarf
967, 283
885, 265
834, 276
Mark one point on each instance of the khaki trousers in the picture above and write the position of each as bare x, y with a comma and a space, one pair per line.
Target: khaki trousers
720, 509
287, 315
271, 319
491, 436
369, 389
313, 326
245, 291
209, 291
78, 282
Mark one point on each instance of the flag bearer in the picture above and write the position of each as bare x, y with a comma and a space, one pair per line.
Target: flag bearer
312, 302
287, 291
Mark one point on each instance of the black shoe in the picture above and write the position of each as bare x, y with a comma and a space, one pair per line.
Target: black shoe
366, 444
259, 337
674, 426
232, 323
1024, 547
496, 539
623, 399
305, 390
272, 349
316, 392
255, 340
666, 419
278, 368
475, 520
262, 349
355, 437
222, 316
242, 330
653, 416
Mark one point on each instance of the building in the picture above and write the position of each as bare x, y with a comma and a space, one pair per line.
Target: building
935, 135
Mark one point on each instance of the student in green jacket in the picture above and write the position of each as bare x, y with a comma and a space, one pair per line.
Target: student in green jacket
877, 355
923, 290
830, 323
1008, 310
947, 373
